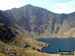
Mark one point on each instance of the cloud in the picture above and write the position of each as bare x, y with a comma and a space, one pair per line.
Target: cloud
67, 7
8, 4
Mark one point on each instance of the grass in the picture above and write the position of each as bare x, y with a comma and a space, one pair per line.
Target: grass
26, 52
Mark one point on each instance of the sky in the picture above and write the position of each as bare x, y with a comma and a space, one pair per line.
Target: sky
57, 6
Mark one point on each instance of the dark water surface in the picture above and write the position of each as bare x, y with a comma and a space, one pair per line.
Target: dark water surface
67, 44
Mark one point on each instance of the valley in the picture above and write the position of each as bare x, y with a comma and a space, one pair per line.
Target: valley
21, 27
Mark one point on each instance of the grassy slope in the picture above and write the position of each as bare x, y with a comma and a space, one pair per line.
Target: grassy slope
20, 41
25, 52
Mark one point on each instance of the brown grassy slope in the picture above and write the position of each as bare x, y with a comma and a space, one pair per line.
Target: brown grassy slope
25, 52
18, 43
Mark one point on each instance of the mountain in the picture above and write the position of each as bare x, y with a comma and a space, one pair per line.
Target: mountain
20, 27
40, 22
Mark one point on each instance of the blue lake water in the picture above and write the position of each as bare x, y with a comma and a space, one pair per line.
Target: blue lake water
57, 44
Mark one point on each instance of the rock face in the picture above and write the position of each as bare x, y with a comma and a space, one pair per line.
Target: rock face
68, 34
39, 21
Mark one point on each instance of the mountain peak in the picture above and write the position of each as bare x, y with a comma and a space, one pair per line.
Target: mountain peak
29, 5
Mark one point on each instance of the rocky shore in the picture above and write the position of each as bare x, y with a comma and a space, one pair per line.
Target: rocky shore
40, 48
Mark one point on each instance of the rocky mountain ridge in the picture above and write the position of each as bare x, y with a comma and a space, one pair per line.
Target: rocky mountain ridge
39, 21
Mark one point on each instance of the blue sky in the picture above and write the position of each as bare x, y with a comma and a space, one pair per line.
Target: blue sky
57, 6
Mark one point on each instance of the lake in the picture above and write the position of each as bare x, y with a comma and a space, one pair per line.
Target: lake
65, 44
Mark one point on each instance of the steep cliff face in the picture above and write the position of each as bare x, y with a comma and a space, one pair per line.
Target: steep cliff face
39, 21
67, 29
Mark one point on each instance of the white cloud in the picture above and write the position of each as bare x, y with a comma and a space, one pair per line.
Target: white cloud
8, 4
65, 7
